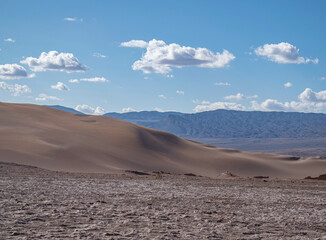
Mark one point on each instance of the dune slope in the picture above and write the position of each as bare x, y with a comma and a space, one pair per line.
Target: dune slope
57, 140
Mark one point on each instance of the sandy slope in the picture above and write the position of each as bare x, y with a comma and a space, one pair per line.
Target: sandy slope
58, 140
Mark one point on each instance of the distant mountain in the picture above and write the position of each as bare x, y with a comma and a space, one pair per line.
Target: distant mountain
143, 117
227, 123
67, 109
241, 124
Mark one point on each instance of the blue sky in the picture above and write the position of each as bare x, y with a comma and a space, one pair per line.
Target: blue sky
188, 56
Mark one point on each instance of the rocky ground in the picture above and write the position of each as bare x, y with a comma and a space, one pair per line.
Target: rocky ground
39, 204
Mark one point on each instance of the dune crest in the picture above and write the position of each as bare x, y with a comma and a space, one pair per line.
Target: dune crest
57, 140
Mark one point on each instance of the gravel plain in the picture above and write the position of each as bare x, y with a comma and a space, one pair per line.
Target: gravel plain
41, 204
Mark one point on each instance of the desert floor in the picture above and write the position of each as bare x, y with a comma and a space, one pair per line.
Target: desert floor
40, 204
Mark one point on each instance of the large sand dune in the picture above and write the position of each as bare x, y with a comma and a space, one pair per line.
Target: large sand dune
58, 140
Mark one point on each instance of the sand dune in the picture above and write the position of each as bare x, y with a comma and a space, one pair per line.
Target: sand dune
57, 140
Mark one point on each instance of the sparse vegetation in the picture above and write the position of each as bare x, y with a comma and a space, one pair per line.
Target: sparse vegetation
137, 172
321, 177
190, 174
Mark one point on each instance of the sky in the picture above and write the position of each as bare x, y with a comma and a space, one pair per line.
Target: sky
186, 56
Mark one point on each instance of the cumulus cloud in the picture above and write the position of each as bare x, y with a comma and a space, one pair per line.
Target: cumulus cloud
99, 55
219, 105
282, 53
158, 109
309, 101
270, 104
180, 92
13, 71
322, 78
310, 96
60, 86
162, 96
128, 109
94, 79
293, 106
54, 61
196, 101
288, 84
43, 97
222, 84
160, 57
9, 40
74, 81
73, 19
90, 110
170, 76
15, 89
239, 97
135, 43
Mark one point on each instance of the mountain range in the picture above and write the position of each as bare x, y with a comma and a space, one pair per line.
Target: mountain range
142, 118
241, 124
228, 123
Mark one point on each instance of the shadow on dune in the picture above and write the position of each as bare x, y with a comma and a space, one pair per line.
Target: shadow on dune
158, 141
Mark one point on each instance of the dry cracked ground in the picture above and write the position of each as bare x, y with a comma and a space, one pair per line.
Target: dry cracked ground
40, 204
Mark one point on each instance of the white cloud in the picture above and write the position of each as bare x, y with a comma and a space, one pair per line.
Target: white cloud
54, 61
99, 111
196, 101
128, 109
162, 96
158, 109
44, 97
293, 106
239, 97
309, 101
135, 43
288, 84
219, 105
160, 57
180, 92
269, 104
222, 84
15, 89
74, 81
283, 53
170, 76
94, 79
90, 110
73, 19
99, 55
13, 71
9, 40
322, 78
60, 86
310, 96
